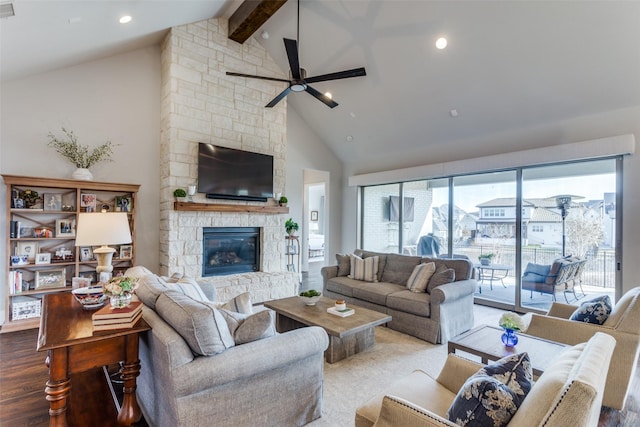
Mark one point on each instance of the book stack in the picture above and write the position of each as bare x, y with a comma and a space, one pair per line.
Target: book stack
109, 318
342, 313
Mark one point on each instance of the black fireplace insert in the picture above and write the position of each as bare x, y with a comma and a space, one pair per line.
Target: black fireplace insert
230, 250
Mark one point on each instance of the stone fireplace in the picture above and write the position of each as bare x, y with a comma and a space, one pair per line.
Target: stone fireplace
201, 104
230, 250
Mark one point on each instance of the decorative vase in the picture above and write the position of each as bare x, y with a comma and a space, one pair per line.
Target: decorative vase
120, 301
485, 261
82, 174
509, 338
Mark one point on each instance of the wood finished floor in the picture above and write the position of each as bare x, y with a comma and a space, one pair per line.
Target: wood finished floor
23, 375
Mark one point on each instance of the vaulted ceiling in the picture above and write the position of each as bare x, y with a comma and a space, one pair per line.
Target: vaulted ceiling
508, 65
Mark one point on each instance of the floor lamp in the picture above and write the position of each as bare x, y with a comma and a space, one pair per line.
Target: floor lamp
103, 229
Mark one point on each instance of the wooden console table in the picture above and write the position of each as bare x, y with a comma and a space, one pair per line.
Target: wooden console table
66, 332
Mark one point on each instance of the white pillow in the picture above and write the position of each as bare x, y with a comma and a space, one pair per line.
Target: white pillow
239, 304
189, 287
420, 276
364, 269
137, 271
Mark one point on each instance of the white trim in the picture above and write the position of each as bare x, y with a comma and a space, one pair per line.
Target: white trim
593, 149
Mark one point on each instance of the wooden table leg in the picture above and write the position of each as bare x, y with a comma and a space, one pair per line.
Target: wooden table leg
58, 387
130, 411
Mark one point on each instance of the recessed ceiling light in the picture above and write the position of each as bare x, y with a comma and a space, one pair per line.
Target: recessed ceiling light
453, 113
264, 34
328, 95
349, 138
441, 43
125, 19
353, 115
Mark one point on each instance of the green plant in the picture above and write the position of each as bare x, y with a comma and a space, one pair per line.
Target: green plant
290, 226
283, 200
30, 197
488, 256
310, 293
121, 285
179, 192
80, 155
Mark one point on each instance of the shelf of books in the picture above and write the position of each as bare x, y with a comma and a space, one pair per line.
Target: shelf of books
42, 258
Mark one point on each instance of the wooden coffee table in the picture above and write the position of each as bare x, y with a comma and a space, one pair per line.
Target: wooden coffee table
485, 341
347, 335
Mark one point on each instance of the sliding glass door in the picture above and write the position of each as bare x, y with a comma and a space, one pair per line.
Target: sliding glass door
509, 224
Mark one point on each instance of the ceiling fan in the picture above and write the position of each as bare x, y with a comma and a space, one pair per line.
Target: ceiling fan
299, 81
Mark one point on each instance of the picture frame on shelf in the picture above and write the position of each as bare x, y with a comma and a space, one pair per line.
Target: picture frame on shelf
25, 232
123, 204
43, 258
86, 253
65, 228
51, 278
52, 202
126, 251
30, 249
91, 275
80, 282
88, 202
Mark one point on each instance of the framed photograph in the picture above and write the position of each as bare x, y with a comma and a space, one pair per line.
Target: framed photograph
50, 278
314, 215
123, 204
91, 275
43, 258
86, 253
80, 282
88, 202
65, 228
30, 249
26, 231
52, 202
126, 251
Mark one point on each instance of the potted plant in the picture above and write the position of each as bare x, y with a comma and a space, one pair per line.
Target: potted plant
179, 194
485, 259
80, 155
282, 201
291, 226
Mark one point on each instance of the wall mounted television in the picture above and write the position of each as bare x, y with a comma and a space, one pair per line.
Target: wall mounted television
227, 173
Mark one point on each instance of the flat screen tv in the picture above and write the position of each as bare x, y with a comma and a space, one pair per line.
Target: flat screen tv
227, 173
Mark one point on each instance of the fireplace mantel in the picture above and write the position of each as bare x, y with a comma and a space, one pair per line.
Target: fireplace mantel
220, 207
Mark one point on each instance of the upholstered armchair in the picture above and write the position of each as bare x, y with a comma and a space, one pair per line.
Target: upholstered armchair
623, 324
568, 393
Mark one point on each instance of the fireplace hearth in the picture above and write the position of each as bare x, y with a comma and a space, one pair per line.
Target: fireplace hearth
230, 250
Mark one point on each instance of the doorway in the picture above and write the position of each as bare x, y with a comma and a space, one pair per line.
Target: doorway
316, 229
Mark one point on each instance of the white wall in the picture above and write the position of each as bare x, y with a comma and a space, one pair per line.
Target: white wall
305, 150
625, 121
116, 99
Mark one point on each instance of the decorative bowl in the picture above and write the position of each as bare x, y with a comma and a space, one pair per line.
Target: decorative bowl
89, 297
310, 300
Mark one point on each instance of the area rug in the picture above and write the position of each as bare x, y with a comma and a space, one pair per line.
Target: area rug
351, 382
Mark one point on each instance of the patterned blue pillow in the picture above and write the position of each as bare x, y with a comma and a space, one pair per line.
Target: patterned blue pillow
594, 311
492, 395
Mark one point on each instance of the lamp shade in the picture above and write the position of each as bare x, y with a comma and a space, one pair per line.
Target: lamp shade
95, 229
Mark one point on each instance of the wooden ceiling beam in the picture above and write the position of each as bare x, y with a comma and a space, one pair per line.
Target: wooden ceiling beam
250, 16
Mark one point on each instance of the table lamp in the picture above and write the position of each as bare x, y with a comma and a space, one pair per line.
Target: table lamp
103, 229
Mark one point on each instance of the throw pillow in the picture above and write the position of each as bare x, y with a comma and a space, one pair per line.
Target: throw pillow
137, 271
492, 395
344, 265
149, 289
249, 327
239, 304
201, 325
364, 269
536, 273
594, 311
188, 286
441, 276
420, 276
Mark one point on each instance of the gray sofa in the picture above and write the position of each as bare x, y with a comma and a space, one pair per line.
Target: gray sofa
435, 317
245, 385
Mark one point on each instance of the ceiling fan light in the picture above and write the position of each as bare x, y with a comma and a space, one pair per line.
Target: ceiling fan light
328, 95
441, 43
298, 87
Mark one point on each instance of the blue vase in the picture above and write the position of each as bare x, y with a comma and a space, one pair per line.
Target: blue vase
509, 338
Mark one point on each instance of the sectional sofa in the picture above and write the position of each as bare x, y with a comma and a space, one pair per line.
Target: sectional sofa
436, 315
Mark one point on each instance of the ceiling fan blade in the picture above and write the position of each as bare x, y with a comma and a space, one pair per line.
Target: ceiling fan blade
292, 54
278, 98
275, 79
356, 72
328, 101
